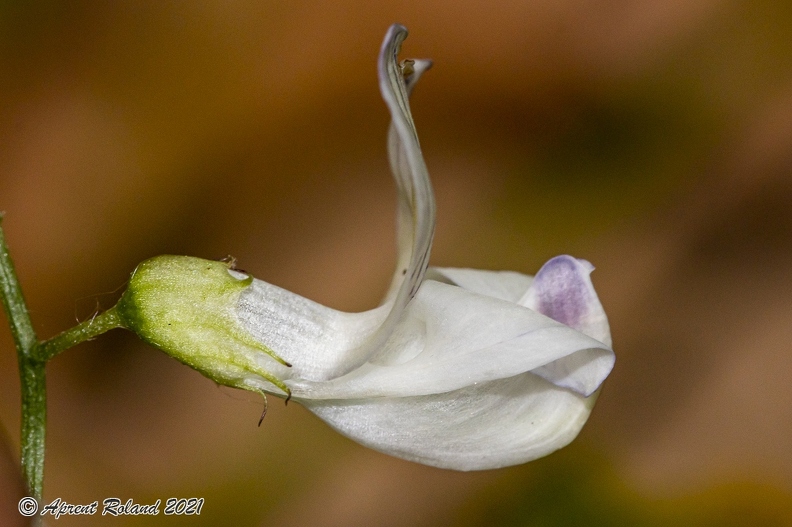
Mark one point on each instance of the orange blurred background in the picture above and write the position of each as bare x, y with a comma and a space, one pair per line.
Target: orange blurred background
651, 137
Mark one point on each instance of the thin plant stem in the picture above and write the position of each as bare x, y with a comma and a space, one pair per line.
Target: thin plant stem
33, 380
31, 375
87, 330
33, 356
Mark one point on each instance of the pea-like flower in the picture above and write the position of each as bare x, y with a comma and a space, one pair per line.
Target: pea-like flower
457, 368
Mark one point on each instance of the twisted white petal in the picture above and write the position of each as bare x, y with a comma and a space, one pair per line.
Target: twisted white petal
457, 368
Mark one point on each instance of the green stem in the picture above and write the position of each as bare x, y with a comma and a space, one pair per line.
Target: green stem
31, 374
80, 333
33, 357
14, 303
34, 423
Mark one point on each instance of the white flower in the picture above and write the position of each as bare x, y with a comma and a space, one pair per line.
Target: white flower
457, 368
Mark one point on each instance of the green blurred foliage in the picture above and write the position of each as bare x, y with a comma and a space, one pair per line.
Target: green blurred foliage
578, 486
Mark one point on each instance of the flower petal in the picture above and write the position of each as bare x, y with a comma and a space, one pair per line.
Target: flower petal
322, 343
484, 426
416, 204
407, 226
506, 285
563, 291
318, 341
449, 338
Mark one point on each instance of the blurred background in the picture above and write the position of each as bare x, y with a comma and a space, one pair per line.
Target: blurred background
651, 137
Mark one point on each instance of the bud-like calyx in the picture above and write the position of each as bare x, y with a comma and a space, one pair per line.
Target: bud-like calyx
186, 307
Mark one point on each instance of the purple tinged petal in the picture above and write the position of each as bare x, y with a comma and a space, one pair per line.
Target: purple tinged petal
561, 294
562, 290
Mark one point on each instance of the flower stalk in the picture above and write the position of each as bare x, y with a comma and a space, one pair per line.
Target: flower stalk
95, 326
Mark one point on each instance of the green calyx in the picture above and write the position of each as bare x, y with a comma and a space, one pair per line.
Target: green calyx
186, 307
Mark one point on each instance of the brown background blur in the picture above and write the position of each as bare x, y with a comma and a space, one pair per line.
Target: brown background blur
651, 137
